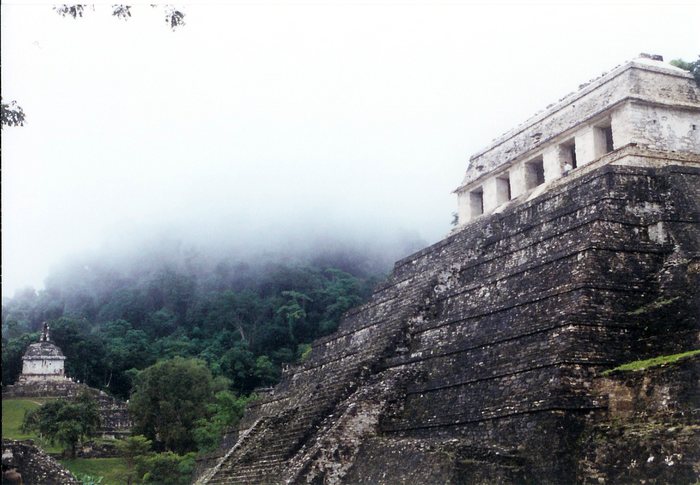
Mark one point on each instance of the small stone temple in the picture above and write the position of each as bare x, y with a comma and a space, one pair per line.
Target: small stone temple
43, 361
44, 376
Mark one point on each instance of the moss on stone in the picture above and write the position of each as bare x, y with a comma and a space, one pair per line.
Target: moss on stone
638, 365
655, 305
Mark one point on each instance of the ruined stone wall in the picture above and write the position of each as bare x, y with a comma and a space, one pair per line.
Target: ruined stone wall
650, 433
43, 388
33, 466
474, 362
658, 127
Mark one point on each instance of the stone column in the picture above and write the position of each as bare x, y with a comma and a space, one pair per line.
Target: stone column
623, 121
490, 194
463, 207
586, 145
554, 158
517, 180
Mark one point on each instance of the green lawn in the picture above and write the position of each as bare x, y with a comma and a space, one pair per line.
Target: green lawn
12, 415
112, 469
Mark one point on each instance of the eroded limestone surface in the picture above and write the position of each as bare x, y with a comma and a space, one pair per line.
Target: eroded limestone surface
479, 359
25, 463
652, 431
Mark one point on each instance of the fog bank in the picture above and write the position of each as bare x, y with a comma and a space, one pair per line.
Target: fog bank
273, 127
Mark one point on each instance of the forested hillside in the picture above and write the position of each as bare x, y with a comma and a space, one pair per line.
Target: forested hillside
245, 319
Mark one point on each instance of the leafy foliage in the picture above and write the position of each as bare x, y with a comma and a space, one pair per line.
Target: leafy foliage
12, 352
11, 114
167, 468
691, 67
168, 399
86, 479
75, 10
225, 412
173, 17
245, 322
133, 449
144, 466
121, 11
64, 422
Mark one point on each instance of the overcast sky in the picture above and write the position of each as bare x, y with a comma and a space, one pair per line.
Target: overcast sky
258, 115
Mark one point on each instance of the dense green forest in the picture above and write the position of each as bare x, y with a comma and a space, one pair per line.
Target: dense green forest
244, 319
